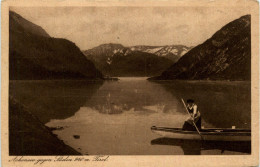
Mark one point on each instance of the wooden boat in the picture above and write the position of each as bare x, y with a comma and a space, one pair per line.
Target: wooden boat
213, 134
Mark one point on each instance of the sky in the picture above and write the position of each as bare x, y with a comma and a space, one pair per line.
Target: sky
89, 27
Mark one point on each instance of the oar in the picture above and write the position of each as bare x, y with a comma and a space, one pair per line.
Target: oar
192, 119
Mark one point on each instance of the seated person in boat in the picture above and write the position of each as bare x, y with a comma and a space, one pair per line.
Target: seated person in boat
195, 116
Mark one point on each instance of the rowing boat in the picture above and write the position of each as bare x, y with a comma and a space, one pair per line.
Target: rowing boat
212, 134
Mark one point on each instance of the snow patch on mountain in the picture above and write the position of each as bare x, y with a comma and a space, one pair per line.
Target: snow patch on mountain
132, 49
183, 52
174, 51
153, 50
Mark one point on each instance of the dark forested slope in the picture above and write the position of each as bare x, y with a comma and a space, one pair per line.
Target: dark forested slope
225, 56
33, 54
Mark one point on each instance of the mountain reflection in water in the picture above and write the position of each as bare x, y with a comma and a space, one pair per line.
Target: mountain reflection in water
194, 147
53, 99
223, 104
137, 94
115, 117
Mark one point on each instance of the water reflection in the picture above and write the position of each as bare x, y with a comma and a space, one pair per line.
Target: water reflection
138, 95
115, 117
221, 103
54, 99
110, 107
193, 147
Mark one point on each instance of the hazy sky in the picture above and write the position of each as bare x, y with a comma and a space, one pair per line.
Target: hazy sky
91, 26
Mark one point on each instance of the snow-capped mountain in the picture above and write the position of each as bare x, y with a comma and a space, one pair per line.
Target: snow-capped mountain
172, 52
117, 60
102, 55
106, 51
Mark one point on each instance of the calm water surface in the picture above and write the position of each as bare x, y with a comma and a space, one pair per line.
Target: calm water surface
115, 117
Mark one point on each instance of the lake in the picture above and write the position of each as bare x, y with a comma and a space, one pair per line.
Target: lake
115, 117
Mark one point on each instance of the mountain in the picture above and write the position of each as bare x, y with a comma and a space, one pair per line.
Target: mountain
225, 56
105, 50
137, 64
102, 54
117, 60
33, 54
21, 25
172, 52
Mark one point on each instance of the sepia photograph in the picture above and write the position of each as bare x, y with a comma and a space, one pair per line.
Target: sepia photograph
129, 80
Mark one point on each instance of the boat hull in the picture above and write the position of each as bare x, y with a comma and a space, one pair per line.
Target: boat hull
207, 134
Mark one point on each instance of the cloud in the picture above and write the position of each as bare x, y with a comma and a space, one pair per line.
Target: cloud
91, 26
183, 28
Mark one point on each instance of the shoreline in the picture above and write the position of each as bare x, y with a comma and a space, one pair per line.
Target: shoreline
29, 136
